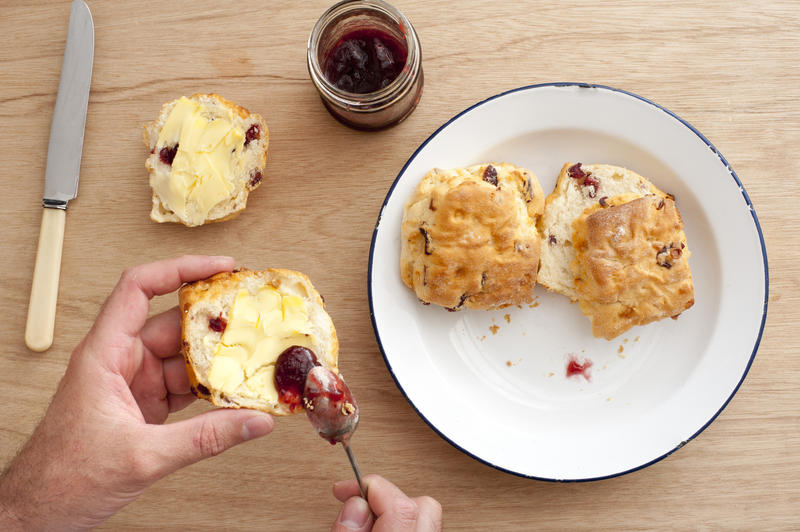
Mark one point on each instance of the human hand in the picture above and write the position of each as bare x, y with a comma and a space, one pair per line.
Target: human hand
393, 510
101, 442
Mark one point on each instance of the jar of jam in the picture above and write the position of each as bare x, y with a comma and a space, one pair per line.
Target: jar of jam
365, 59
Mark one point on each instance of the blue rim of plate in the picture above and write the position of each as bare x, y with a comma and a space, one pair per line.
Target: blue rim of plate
583, 86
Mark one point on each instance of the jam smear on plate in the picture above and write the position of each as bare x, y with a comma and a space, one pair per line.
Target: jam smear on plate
579, 367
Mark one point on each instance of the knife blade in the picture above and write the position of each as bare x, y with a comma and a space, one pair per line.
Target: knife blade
62, 173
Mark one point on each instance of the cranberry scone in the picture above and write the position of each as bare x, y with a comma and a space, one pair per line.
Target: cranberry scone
206, 155
249, 338
631, 264
469, 237
579, 186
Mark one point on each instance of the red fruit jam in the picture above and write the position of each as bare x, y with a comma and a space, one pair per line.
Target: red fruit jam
365, 60
330, 405
291, 370
576, 367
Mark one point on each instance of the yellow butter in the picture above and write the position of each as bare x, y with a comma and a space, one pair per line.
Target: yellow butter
226, 374
234, 352
295, 318
261, 383
260, 327
245, 310
205, 163
269, 348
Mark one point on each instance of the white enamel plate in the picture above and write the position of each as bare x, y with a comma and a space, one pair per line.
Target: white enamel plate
494, 384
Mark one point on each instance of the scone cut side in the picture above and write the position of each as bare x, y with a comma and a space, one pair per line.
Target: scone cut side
236, 318
206, 155
631, 265
469, 237
578, 187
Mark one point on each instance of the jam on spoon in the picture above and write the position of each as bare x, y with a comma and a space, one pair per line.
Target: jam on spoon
329, 404
302, 382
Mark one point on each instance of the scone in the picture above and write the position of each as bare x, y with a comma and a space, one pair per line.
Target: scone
235, 325
469, 237
579, 186
631, 264
206, 155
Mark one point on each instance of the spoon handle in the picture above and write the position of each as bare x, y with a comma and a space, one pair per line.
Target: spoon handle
354, 464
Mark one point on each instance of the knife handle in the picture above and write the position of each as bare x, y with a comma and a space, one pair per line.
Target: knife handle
44, 289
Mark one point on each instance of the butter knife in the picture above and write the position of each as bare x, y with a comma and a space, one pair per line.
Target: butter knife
61, 176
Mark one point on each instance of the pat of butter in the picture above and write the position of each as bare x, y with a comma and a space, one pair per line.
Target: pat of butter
205, 162
226, 374
260, 327
261, 383
294, 314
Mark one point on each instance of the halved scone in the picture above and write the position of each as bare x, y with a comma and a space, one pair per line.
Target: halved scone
631, 264
235, 325
206, 155
469, 237
579, 187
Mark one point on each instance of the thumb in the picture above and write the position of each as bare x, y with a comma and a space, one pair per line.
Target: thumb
354, 517
208, 434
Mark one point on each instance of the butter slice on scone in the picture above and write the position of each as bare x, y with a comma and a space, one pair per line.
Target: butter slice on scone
579, 187
234, 326
206, 155
631, 264
469, 237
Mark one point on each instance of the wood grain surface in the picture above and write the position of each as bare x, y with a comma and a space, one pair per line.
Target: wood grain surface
728, 67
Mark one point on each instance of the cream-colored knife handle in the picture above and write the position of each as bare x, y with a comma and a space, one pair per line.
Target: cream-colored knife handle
44, 290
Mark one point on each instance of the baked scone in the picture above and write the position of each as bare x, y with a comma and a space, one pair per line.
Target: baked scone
469, 237
632, 263
206, 155
234, 326
579, 186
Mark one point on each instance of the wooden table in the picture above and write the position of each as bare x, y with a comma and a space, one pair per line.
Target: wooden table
729, 67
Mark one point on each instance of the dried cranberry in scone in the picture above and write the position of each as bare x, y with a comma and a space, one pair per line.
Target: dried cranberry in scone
217, 324
167, 154
252, 133
490, 175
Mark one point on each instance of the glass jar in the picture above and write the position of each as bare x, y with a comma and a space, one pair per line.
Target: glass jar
384, 106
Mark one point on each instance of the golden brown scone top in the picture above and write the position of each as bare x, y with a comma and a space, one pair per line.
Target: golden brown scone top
469, 237
632, 264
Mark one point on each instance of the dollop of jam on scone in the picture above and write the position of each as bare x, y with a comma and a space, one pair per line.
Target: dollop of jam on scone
291, 370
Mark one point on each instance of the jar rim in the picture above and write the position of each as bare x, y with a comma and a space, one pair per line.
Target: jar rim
370, 101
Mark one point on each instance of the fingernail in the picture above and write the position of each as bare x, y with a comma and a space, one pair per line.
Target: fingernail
355, 513
221, 258
256, 426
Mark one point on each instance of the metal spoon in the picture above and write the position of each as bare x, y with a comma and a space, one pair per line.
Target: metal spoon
333, 411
